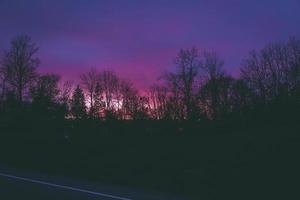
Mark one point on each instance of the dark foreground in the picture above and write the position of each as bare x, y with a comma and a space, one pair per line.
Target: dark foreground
263, 163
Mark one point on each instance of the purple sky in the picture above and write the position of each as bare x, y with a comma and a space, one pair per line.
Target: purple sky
139, 39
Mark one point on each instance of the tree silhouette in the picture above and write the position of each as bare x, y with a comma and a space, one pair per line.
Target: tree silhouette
129, 100
241, 97
98, 102
182, 84
109, 84
195, 90
19, 65
89, 81
216, 97
2, 89
46, 90
188, 65
213, 91
158, 98
65, 97
45, 98
273, 72
78, 107
175, 104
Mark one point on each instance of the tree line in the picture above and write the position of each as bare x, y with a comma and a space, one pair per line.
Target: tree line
196, 89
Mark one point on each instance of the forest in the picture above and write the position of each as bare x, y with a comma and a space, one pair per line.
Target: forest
197, 89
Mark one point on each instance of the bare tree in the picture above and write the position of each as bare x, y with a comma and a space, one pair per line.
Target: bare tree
158, 98
175, 102
141, 111
109, 83
212, 65
216, 97
129, 99
188, 65
89, 81
214, 82
183, 83
273, 72
19, 65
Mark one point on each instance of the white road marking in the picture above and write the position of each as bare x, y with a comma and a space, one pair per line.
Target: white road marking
64, 187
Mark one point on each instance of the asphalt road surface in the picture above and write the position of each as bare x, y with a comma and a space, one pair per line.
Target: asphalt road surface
15, 186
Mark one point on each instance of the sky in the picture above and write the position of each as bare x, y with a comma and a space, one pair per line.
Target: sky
139, 39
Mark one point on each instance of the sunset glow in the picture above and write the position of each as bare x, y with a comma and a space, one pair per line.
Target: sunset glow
139, 39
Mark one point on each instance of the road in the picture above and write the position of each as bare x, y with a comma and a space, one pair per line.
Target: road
15, 186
